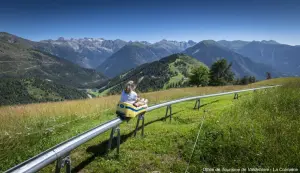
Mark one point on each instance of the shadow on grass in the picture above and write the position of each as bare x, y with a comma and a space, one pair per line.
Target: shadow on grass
202, 105
101, 149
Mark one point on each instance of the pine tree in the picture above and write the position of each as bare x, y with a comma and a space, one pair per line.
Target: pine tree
220, 73
269, 75
199, 76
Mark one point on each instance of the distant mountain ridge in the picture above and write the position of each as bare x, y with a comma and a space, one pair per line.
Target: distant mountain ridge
136, 53
209, 51
104, 55
269, 42
174, 46
238, 44
92, 52
233, 45
118, 56
86, 52
284, 58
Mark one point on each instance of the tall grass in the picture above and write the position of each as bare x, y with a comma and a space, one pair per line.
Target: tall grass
260, 132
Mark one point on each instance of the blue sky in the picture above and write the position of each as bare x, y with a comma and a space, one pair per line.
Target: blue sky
153, 20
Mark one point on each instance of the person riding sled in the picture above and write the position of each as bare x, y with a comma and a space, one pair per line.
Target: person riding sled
130, 96
130, 104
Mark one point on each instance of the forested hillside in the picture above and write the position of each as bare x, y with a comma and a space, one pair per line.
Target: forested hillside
32, 90
169, 72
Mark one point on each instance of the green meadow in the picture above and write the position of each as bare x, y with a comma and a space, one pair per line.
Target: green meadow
258, 130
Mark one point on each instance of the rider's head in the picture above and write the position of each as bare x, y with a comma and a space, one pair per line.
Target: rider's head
129, 86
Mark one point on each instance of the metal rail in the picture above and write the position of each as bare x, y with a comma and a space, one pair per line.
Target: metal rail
60, 152
205, 96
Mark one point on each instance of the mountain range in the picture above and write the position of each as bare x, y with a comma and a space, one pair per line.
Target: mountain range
209, 51
92, 52
114, 57
86, 52
233, 45
284, 58
136, 53
51, 70
20, 58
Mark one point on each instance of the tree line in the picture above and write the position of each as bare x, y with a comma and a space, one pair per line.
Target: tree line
218, 75
157, 76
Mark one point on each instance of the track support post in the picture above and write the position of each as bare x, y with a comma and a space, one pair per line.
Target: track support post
197, 104
113, 131
168, 112
61, 162
140, 117
236, 96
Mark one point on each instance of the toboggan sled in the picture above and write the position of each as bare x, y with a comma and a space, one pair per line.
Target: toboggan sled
129, 111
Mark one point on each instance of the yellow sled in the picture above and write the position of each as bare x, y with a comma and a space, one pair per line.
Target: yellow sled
128, 110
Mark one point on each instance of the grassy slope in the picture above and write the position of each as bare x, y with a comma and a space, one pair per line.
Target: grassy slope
151, 153
262, 131
93, 93
180, 76
189, 64
173, 79
28, 130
